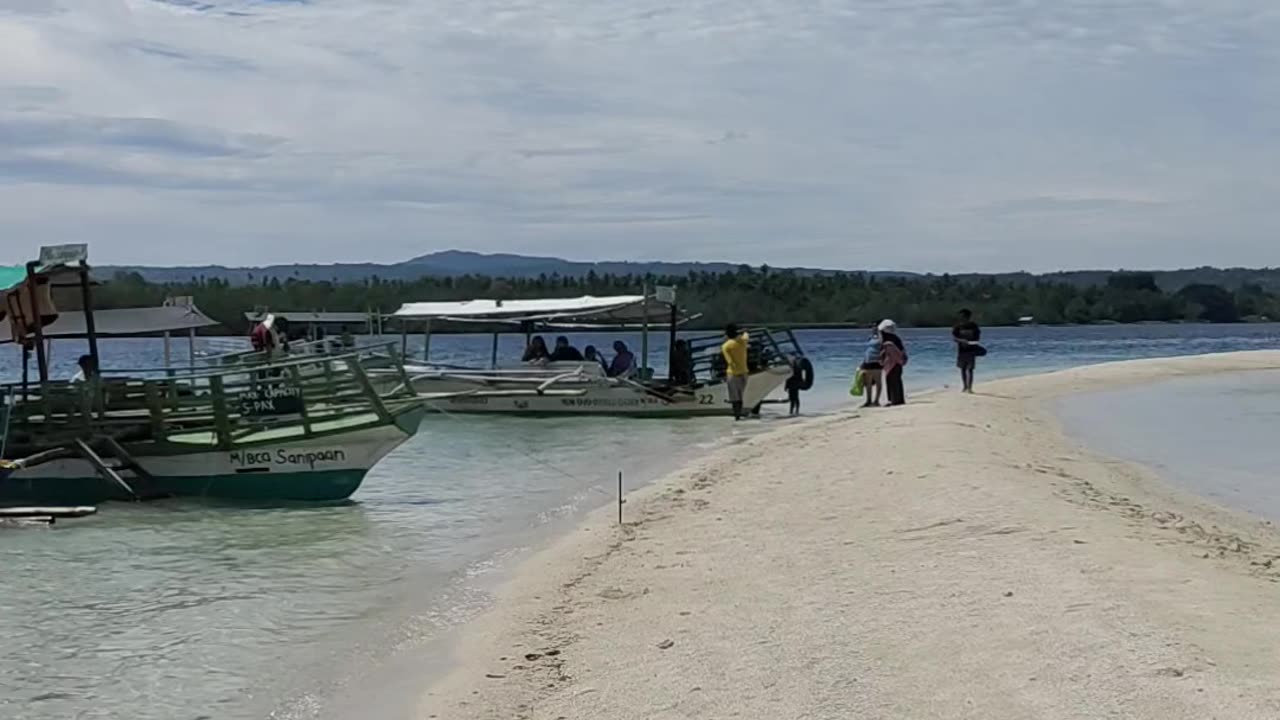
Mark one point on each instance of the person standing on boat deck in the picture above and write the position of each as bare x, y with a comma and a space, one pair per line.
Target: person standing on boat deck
734, 351
263, 336
624, 363
967, 335
894, 358
565, 352
537, 351
281, 329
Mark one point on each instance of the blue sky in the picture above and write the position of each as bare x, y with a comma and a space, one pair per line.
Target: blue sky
945, 135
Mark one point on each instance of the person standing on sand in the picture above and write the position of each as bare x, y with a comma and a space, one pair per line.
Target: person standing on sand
794, 381
967, 335
894, 359
734, 351
871, 369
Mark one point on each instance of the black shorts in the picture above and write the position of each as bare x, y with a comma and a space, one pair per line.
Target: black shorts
966, 361
872, 366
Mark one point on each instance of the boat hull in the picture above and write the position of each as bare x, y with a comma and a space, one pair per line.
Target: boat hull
314, 469
594, 398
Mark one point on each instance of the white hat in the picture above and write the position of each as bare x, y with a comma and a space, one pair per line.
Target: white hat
888, 326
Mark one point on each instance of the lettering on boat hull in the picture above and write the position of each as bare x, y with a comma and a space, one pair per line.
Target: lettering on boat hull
285, 458
614, 402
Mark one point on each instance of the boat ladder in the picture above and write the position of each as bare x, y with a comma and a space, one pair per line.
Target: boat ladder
114, 464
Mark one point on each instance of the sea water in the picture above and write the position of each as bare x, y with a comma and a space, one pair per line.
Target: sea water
180, 609
1214, 435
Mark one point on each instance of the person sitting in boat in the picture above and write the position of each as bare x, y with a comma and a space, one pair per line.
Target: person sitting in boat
88, 369
537, 351
681, 364
565, 352
590, 354
624, 363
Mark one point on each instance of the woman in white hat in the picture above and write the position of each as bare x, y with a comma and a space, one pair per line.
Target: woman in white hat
895, 359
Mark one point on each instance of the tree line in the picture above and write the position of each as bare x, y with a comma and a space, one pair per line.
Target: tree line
748, 296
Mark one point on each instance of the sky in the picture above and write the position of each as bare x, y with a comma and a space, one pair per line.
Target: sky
924, 135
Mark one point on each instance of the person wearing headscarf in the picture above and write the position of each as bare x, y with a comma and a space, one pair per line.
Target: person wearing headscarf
894, 360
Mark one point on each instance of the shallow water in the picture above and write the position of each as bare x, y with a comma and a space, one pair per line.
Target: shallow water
1214, 436
185, 610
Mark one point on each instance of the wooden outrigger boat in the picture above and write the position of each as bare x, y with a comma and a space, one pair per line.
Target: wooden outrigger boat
584, 387
294, 429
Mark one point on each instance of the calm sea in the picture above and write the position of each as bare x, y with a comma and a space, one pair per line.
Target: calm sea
1214, 436
182, 610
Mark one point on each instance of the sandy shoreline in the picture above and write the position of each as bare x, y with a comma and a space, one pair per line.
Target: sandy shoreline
956, 558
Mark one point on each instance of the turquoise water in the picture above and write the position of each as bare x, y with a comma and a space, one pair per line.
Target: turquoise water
1214, 436
181, 610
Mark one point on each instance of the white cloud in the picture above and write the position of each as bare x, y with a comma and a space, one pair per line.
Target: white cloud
918, 134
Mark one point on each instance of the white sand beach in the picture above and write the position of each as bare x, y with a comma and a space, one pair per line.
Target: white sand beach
955, 558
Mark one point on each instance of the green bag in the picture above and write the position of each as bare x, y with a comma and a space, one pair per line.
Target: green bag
858, 379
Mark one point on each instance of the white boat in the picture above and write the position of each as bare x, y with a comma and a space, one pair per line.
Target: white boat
585, 387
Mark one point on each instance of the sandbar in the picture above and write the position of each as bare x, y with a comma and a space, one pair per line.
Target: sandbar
959, 557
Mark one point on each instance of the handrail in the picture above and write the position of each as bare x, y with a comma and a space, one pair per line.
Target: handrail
148, 407
236, 369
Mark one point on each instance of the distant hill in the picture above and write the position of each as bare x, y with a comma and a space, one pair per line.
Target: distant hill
455, 263
450, 263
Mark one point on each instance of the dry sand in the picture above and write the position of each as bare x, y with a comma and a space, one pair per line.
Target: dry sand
954, 558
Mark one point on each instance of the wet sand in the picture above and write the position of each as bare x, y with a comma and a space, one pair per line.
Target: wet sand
956, 558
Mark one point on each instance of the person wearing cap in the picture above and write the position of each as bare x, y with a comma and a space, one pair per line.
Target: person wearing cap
734, 351
895, 359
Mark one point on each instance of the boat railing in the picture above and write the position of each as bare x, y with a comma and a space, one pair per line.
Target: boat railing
766, 348
218, 364
216, 407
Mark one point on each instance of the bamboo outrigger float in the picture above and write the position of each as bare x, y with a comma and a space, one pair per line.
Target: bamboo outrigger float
304, 429
584, 387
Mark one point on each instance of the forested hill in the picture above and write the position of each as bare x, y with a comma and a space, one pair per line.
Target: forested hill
458, 263
751, 295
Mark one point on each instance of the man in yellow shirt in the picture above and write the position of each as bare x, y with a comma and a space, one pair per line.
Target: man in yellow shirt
734, 351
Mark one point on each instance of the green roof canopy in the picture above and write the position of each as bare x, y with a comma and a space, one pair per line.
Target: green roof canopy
11, 275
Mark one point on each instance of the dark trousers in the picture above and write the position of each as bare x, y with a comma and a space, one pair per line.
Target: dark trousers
893, 387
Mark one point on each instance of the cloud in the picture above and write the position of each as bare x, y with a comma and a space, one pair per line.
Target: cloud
917, 134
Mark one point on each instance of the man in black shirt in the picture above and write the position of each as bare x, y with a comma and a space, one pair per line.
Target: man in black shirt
565, 352
967, 335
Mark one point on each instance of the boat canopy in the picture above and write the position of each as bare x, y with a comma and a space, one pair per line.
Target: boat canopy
610, 310
11, 276
314, 318
129, 322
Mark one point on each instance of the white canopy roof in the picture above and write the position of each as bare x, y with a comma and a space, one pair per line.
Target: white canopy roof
317, 318
126, 322
618, 308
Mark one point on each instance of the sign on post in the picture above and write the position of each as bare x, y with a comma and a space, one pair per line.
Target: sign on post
51, 255
271, 398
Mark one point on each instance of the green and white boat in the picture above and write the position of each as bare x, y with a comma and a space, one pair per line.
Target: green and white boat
296, 429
